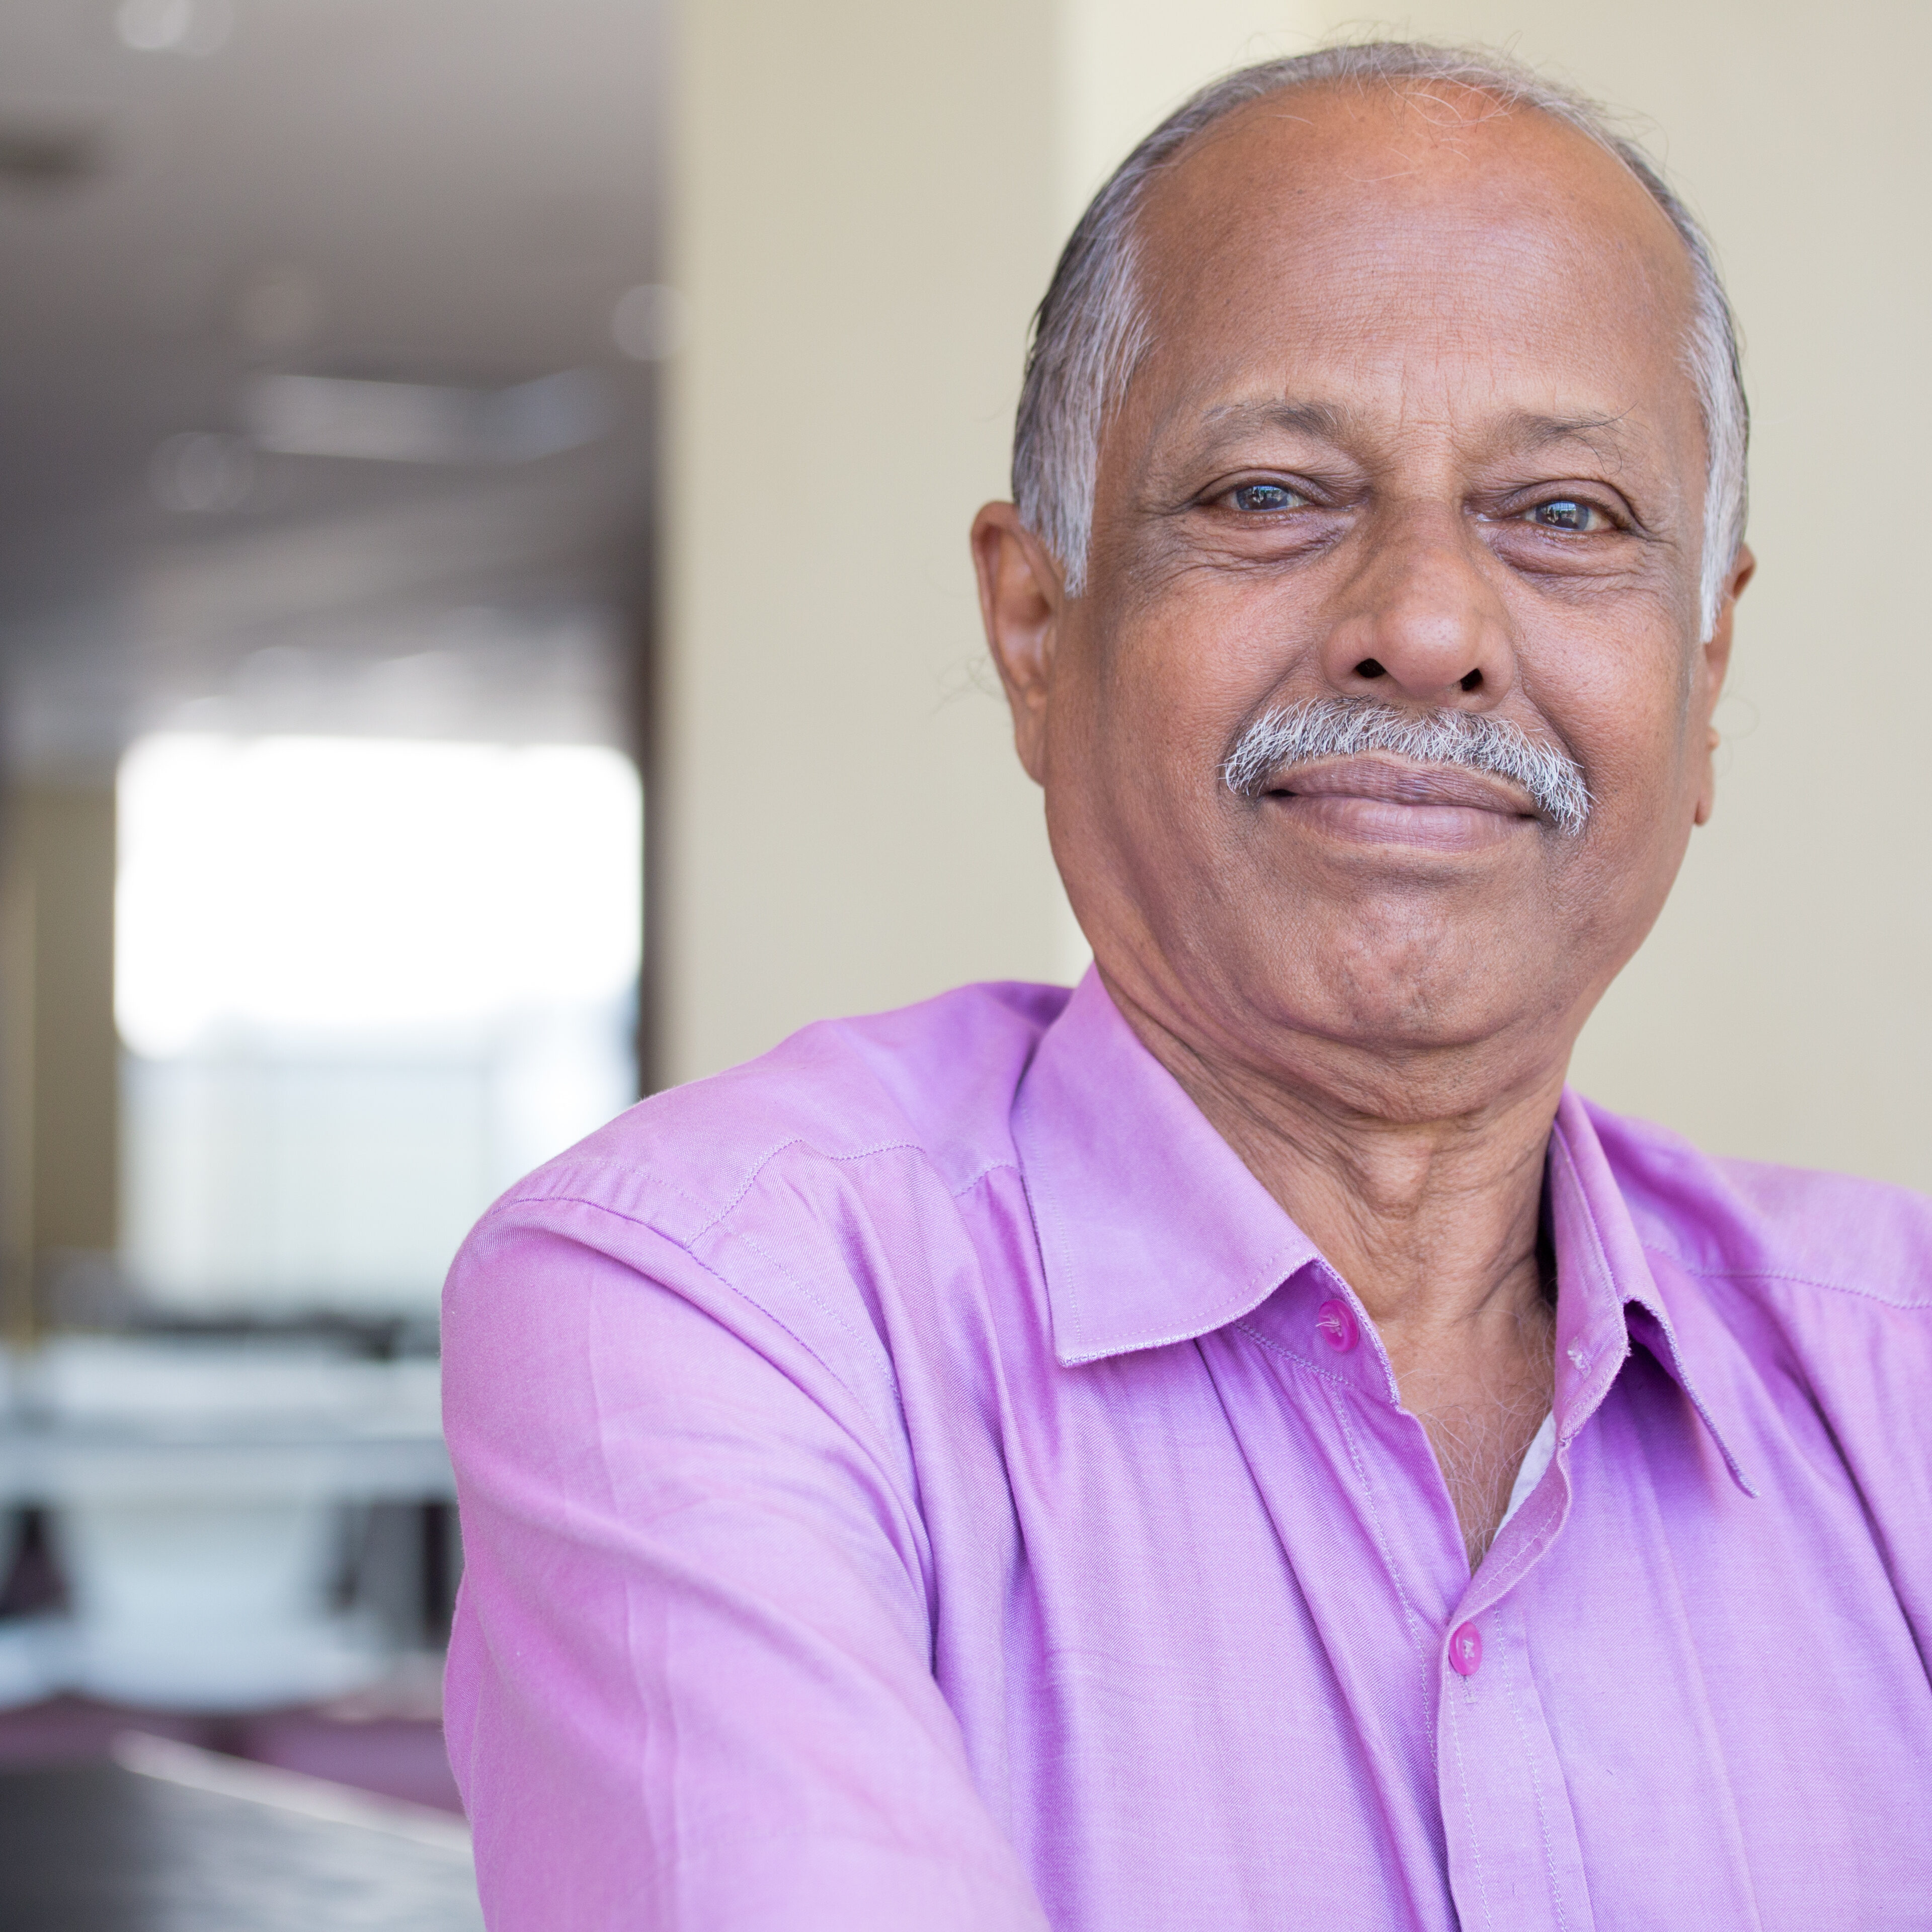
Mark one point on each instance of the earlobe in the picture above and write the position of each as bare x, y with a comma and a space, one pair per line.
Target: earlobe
1717, 662
1021, 596
1707, 792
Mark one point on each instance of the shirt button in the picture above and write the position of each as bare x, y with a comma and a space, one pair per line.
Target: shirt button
1465, 1650
1337, 1321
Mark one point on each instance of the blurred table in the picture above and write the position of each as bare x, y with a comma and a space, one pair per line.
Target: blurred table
198, 1554
39, 1464
97, 1848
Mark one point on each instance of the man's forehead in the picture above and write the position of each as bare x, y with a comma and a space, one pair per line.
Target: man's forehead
1324, 244
1340, 169
1396, 137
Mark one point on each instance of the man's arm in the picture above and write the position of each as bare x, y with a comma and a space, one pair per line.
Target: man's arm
689, 1682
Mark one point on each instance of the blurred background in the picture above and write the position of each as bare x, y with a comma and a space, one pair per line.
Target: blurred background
485, 631
328, 438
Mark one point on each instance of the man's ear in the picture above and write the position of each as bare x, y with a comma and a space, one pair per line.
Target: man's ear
1021, 597
1716, 655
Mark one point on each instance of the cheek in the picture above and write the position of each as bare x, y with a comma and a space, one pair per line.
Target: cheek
1134, 789
1187, 662
1639, 746
1623, 698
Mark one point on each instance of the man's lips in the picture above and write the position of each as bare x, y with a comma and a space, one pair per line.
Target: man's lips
1375, 798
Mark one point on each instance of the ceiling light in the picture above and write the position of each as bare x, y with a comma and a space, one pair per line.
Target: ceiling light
174, 26
420, 422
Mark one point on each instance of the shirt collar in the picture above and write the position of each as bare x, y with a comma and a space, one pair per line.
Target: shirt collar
1609, 1296
1152, 1230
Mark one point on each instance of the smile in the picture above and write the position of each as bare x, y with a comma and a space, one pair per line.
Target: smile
1377, 800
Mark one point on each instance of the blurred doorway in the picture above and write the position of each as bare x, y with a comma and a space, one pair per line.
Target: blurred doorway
328, 331
362, 984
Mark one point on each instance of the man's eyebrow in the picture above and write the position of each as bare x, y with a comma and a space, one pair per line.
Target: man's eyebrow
1604, 433
1595, 432
1322, 419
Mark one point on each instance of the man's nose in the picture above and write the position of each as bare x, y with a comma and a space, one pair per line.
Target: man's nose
1422, 621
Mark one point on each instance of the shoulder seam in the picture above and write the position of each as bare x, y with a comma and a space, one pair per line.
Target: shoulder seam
691, 1254
521, 1196
765, 1160
1779, 1274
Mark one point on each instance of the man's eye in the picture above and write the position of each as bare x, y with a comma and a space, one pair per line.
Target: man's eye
1566, 513
1257, 498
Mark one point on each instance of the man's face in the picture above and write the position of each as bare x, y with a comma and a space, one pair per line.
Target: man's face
1415, 428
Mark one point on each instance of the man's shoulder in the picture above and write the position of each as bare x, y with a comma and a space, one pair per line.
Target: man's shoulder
934, 1082
1717, 1216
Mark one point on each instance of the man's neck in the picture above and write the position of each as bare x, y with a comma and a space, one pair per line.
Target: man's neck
1434, 1221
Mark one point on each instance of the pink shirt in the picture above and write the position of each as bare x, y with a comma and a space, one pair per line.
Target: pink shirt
921, 1481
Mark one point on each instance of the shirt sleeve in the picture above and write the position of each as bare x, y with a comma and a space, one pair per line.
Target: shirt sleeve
690, 1683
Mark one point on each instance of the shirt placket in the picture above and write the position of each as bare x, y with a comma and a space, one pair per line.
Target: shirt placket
1514, 1861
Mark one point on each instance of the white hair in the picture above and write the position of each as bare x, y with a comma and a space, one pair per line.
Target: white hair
1091, 331
1273, 745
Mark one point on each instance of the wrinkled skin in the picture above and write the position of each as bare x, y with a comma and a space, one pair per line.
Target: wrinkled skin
1415, 425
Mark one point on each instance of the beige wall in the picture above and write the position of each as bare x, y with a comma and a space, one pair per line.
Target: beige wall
862, 219
869, 205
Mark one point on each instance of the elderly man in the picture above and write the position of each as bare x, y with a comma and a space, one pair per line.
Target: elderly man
1241, 1445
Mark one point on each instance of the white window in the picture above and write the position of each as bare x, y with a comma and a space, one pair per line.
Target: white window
362, 985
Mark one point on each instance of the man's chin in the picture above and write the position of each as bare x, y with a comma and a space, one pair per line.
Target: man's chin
1402, 987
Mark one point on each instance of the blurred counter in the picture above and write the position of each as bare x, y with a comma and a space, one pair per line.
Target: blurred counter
201, 1498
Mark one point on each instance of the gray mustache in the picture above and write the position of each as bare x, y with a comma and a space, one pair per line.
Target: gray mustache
1341, 727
